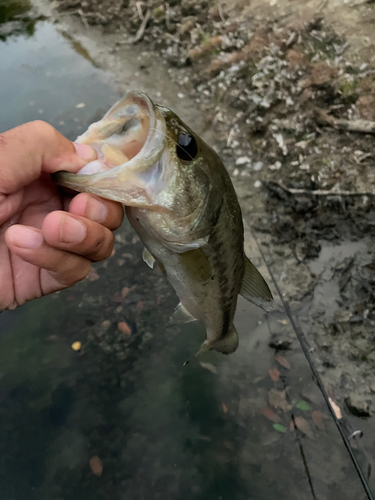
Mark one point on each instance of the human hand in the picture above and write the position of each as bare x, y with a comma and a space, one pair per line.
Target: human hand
48, 239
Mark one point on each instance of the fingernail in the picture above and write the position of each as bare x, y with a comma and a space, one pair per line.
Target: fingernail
84, 151
25, 237
71, 230
96, 210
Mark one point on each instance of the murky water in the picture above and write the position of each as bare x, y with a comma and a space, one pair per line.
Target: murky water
219, 428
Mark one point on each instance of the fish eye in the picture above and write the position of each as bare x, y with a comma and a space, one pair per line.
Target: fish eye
187, 148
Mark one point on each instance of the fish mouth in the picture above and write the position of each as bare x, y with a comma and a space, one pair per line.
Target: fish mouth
129, 140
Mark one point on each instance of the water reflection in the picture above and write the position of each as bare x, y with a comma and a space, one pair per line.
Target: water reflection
15, 19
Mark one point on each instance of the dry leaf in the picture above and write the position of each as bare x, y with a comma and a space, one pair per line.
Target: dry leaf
209, 367
303, 426
124, 328
283, 321
278, 400
125, 291
274, 374
270, 414
282, 361
317, 418
335, 408
225, 409
229, 445
93, 275
96, 465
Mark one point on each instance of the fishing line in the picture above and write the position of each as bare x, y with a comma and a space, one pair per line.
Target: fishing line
316, 375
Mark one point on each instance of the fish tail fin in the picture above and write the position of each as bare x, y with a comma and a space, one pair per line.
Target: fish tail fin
226, 345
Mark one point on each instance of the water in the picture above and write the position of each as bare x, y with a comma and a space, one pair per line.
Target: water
204, 431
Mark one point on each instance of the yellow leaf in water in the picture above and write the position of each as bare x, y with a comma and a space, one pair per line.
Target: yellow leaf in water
96, 465
335, 408
76, 346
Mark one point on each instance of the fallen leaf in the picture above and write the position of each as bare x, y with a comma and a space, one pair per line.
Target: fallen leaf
225, 409
303, 405
120, 262
117, 297
205, 438
279, 427
303, 426
229, 445
283, 321
125, 291
270, 414
96, 465
317, 418
282, 361
80, 105
124, 328
278, 400
76, 346
335, 408
140, 306
274, 374
106, 324
93, 275
209, 367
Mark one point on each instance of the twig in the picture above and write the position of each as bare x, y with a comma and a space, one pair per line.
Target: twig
139, 10
141, 31
168, 17
363, 126
221, 13
321, 192
84, 20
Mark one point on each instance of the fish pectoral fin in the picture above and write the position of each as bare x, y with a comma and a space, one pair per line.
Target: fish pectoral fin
174, 246
226, 345
148, 258
255, 289
180, 316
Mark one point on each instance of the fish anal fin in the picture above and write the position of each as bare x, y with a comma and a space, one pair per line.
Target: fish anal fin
255, 289
180, 316
148, 258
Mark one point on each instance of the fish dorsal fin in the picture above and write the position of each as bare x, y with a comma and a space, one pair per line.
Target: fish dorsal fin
148, 258
180, 316
255, 289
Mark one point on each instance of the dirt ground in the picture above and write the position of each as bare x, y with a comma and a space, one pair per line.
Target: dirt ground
288, 89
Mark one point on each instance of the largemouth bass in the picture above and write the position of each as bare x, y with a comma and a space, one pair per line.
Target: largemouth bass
180, 200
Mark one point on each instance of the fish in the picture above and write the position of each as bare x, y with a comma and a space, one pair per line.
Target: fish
180, 200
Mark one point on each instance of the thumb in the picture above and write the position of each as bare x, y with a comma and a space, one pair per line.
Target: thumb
35, 147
